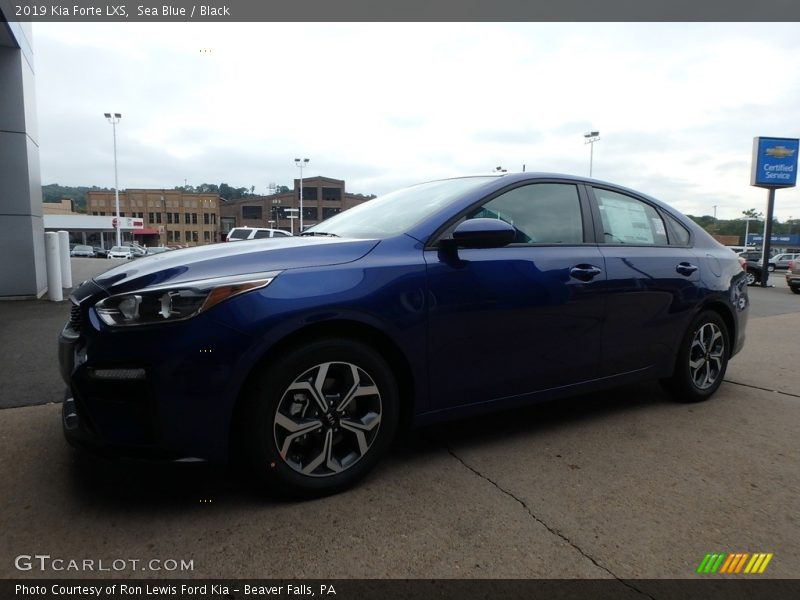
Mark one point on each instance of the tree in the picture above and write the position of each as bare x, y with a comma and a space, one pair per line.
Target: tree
753, 213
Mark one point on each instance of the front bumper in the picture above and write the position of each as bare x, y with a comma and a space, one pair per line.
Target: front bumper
150, 393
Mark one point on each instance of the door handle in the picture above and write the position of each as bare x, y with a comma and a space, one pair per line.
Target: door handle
686, 268
584, 272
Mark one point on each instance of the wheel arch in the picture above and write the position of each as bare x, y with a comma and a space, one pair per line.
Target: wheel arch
343, 329
726, 314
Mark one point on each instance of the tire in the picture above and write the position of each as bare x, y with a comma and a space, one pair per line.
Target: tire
752, 279
702, 360
771, 268
301, 435
794, 289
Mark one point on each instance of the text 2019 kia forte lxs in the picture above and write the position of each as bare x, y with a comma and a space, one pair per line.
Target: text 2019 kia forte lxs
441, 300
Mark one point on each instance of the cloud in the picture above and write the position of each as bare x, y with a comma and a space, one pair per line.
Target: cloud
387, 105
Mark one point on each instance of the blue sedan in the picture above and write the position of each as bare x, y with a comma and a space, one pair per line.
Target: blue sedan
304, 355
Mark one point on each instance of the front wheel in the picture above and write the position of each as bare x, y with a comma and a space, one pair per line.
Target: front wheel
318, 419
702, 359
751, 278
794, 289
771, 268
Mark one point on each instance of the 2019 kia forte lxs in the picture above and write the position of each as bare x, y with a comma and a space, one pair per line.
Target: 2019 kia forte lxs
442, 300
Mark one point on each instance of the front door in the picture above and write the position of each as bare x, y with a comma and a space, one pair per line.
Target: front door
506, 322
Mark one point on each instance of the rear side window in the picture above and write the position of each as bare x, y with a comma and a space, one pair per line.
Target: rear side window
239, 234
261, 234
678, 234
627, 220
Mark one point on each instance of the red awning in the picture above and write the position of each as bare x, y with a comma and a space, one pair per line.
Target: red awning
146, 232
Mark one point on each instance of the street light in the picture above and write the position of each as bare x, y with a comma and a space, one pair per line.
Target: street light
591, 138
114, 120
301, 164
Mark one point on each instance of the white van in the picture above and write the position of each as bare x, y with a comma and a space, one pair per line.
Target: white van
238, 234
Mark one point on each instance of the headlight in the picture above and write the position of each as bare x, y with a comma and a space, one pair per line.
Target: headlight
176, 302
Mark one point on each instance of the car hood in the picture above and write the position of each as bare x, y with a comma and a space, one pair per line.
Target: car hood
233, 258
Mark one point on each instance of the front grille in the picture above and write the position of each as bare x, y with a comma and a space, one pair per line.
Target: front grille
75, 318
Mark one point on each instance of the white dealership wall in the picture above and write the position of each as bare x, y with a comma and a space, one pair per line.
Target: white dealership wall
22, 266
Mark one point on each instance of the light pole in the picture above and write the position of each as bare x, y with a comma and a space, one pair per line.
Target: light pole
591, 137
301, 163
114, 120
747, 229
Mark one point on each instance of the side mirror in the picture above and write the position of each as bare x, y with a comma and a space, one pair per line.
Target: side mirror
483, 233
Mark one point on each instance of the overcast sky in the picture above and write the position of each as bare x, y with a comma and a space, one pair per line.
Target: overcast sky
387, 105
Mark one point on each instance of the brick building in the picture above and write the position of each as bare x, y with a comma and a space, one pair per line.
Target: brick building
323, 197
172, 217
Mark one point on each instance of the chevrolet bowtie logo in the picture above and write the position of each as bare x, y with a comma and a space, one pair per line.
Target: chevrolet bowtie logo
779, 152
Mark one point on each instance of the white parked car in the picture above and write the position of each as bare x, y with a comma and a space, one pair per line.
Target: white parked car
120, 252
254, 233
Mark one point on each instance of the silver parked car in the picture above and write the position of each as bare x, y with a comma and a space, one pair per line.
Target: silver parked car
84, 251
781, 261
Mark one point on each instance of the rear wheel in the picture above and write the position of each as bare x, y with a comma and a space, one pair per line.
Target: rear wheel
702, 360
318, 419
796, 290
751, 278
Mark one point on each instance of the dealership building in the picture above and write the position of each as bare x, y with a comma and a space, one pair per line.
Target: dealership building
22, 263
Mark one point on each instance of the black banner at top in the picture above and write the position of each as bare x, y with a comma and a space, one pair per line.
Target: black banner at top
144, 11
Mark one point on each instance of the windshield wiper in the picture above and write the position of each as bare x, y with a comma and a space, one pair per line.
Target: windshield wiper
325, 233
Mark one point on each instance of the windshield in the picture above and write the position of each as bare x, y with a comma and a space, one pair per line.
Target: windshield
397, 212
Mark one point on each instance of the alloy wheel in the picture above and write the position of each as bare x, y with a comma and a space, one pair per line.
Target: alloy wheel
707, 356
327, 419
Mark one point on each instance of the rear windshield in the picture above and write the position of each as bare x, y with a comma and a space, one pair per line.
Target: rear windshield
239, 234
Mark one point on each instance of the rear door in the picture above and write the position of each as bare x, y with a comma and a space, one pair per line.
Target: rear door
652, 281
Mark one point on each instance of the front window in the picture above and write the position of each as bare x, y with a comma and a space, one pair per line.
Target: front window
397, 212
543, 213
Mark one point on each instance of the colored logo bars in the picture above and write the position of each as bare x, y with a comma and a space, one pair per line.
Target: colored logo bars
720, 562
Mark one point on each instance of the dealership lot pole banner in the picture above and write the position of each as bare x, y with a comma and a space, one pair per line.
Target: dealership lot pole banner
774, 167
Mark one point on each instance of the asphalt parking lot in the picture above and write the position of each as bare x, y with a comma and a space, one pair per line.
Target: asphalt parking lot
625, 484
